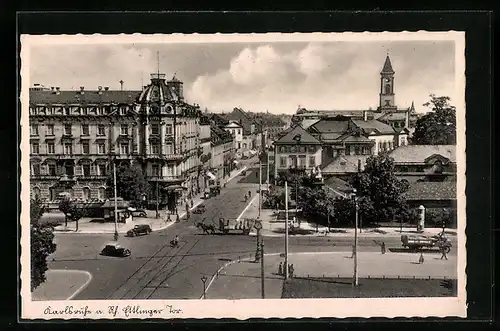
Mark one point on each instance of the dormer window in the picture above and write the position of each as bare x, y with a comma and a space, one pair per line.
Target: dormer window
123, 111
124, 129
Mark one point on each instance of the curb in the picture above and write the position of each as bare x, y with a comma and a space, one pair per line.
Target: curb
82, 287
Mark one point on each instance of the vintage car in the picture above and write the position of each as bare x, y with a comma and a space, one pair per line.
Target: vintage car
243, 173
115, 249
137, 212
200, 209
138, 230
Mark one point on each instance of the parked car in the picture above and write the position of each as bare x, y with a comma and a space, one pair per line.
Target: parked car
115, 249
139, 229
200, 209
137, 212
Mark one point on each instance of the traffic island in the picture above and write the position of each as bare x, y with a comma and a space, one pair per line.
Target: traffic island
61, 285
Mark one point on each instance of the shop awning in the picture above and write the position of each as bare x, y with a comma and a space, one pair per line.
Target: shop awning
175, 188
211, 175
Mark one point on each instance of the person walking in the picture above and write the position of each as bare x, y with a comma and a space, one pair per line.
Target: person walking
382, 247
292, 270
443, 252
421, 259
353, 251
280, 269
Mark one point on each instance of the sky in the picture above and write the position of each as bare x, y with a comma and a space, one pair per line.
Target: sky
272, 76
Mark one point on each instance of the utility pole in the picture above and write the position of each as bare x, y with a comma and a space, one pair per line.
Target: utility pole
355, 276
263, 293
157, 199
260, 186
286, 230
268, 182
116, 201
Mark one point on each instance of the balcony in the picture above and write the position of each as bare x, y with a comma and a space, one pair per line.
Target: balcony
166, 179
164, 157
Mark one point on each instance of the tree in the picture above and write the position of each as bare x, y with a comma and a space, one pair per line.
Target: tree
72, 211
131, 184
379, 191
439, 126
41, 245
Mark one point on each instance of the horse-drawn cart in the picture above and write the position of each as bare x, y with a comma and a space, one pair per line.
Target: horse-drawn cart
419, 243
243, 226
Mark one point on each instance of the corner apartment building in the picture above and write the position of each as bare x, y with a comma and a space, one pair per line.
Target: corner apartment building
77, 136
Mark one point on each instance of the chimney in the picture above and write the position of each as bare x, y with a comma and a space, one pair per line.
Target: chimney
58, 90
121, 85
359, 165
365, 115
99, 88
82, 89
106, 88
407, 119
52, 88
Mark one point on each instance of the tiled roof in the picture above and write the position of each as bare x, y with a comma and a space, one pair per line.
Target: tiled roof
345, 164
432, 191
246, 122
354, 138
297, 135
388, 66
91, 97
330, 126
306, 123
337, 184
374, 125
419, 153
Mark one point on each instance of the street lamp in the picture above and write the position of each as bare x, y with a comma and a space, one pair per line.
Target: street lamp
204, 280
115, 237
260, 255
355, 282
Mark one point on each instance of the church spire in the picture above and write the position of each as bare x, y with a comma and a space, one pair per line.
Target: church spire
412, 107
387, 66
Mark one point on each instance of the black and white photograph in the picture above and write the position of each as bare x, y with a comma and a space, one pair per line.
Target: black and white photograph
190, 176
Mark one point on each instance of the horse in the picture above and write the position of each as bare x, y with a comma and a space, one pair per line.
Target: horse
207, 228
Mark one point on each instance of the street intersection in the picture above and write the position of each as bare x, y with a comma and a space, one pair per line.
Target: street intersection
157, 271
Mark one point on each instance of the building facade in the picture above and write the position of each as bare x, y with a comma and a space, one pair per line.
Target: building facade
77, 137
297, 149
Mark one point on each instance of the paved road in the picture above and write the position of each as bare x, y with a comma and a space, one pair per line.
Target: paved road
157, 271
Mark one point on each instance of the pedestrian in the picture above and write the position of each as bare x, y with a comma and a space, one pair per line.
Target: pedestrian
382, 247
421, 259
443, 252
289, 270
292, 270
353, 251
280, 269
249, 193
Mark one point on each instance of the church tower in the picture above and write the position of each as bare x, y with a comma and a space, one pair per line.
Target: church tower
387, 87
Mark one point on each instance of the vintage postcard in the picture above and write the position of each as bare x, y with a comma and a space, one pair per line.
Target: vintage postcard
243, 176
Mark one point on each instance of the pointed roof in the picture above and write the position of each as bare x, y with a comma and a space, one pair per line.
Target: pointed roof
412, 107
297, 135
387, 66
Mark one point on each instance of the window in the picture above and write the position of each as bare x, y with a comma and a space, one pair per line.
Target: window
124, 148
312, 161
168, 129
124, 129
35, 169
155, 170
244, 145
68, 148
86, 193
302, 149
100, 130
86, 169
85, 111
302, 161
387, 88
85, 147
312, 149
239, 145
51, 148
50, 129
101, 149
67, 129
50, 110
52, 169
357, 150
34, 130
155, 128
293, 149
85, 129
101, 169
123, 111
155, 149
283, 162
67, 111
69, 169
101, 193
35, 148
100, 110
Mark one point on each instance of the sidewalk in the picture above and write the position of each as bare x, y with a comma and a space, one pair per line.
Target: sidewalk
87, 227
61, 285
272, 227
242, 280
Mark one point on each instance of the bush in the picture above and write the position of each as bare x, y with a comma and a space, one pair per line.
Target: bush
434, 217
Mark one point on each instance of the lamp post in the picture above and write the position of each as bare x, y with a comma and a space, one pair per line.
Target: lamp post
204, 280
260, 186
260, 255
355, 282
286, 230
